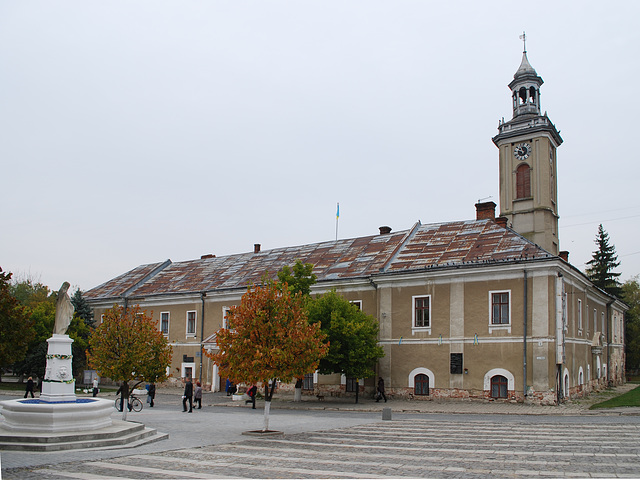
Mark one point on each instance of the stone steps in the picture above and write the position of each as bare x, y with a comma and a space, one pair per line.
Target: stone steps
120, 434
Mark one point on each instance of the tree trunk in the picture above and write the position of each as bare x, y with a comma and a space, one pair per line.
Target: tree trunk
357, 390
267, 408
297, 396
268, 395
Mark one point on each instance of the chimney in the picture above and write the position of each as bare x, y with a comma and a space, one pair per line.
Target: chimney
208, 255
485, 211
384, 230
502, 221
564, 255
256, 248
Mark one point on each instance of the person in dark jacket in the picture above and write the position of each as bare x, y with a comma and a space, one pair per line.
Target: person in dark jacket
151, 394
29, 389
188, 395
252, 396
124, 394
381, 390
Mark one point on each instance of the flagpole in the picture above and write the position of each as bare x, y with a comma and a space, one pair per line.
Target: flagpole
337, 218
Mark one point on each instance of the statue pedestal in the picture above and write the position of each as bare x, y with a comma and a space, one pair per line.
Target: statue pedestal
58, 384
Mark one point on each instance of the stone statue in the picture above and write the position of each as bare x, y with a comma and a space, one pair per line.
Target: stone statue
64, 311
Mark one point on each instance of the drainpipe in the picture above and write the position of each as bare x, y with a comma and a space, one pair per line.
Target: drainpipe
126, 304
607, 317
202, 296
524, 337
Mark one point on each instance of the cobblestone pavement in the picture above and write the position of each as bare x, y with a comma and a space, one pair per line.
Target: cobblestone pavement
418, 448
337, 438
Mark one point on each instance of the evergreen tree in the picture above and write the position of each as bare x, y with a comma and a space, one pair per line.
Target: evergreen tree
82, 308
600, 267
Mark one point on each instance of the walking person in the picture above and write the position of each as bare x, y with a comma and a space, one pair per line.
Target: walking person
151, 394
124, 394
95, 386
188, 395
252, 396
381, 390
197, 396
29, 389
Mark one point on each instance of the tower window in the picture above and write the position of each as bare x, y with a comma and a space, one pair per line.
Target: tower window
523, 96
523, 181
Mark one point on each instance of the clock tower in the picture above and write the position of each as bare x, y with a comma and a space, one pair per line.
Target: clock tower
528, 169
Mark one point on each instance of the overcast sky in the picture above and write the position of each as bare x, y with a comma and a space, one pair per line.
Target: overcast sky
132, 132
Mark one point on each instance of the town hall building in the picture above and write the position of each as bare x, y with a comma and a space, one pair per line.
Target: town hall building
486, 308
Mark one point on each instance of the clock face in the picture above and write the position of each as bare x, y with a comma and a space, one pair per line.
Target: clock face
522, 151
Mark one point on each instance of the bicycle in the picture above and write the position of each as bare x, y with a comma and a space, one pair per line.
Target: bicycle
135, 403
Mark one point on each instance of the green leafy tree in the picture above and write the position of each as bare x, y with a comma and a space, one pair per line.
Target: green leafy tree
601, 267
41, 308
631, 296
16, 329
352, 334
299, 279
268, 338
42, 315
129, 347
29, 292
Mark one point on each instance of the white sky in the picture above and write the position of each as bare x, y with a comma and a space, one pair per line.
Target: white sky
136, 131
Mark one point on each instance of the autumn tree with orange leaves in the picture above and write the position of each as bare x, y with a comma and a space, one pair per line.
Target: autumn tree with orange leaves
129, 347
268, 338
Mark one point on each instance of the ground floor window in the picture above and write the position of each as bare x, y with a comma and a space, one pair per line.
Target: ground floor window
351, 384
307, 382
421, 384
498, 386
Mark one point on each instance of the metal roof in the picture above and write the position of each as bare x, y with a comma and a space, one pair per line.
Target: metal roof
421, 247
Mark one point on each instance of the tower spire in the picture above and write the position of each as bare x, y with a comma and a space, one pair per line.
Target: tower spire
523, 37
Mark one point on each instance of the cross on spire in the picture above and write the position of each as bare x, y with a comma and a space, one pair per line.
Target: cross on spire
523, 37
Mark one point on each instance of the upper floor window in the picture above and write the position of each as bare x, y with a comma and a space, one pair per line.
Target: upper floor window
500, 308
421, 312
580, 316
523, 181
164, 323
191, 323
226, 311
357, 303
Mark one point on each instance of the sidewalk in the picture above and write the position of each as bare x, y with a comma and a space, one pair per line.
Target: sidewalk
366, 404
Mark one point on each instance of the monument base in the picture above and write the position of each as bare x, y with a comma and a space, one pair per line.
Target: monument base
58, 384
